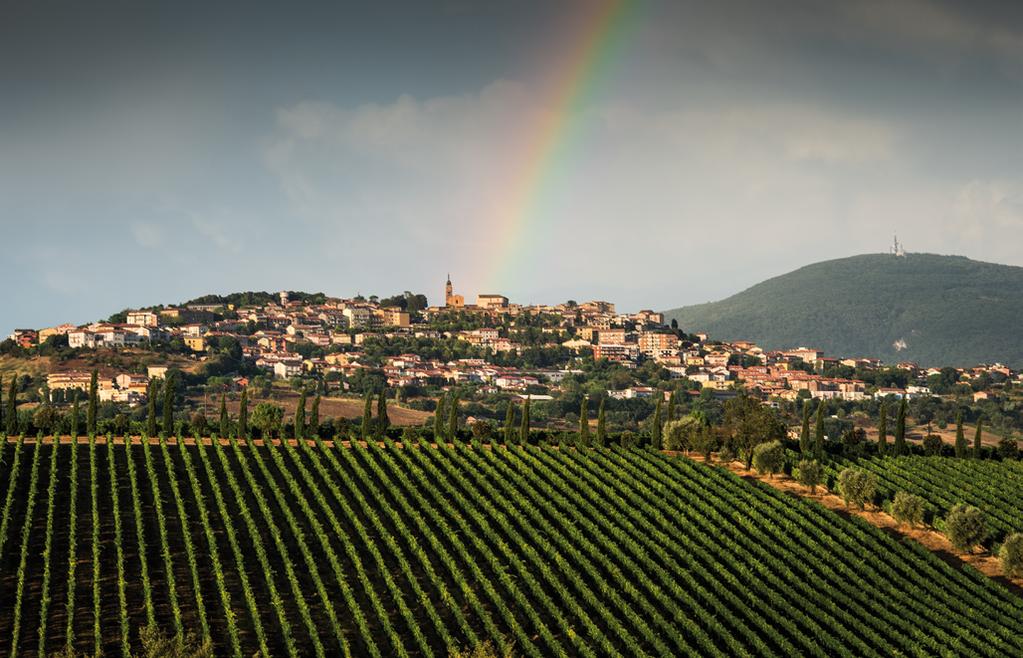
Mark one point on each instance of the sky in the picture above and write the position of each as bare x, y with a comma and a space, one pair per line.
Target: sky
653, 154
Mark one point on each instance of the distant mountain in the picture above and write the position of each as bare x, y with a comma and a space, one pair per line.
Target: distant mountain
935, 310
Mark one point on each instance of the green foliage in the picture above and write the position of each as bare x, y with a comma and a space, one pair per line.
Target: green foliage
900, 447
509, 424
679, 434
655, 429
601, 426
1011, 555
383, 420
965, 526
908, 508
705, 442
453, 418
484, 649
525, 427
267, 418
156, 644
882, 429
804, 432
168, 404
768, 458
818, 433
314, 416
750, 423
300, 416
366, 430
438, 420
978, 446
584, 422
243, 414
857, 305
90, 413
809, 474
857, 487
1008, 448
960, 437
933, 445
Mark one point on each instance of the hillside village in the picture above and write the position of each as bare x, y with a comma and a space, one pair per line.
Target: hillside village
499, 349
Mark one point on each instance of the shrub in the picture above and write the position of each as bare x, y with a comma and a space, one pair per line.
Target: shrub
810, 474
678, 434
629, 439
932, 445
1011, 554
965, 527
857, 487
1008, 448
908, 508
769, 457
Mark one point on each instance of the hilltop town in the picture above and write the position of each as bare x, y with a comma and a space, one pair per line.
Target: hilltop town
487, 352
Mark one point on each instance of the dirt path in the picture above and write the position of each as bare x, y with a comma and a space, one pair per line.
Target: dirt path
984, 561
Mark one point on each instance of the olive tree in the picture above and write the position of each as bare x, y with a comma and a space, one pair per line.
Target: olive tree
678, 434
857, 486
769, 457
1011, 554
908, 508
810, 474
965, 527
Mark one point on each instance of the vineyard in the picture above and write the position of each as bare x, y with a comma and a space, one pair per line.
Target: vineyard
308, 549
993, 486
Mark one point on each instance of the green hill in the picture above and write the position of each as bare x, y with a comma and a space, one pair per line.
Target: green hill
935, 310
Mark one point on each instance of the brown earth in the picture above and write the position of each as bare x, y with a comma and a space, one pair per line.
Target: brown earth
982, 560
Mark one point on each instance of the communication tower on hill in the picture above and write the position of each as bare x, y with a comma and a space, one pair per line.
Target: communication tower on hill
898, 249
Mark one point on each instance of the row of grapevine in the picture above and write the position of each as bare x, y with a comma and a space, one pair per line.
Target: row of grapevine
303, 548
995, 487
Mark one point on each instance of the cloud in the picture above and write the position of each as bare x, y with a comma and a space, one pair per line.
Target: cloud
147, 234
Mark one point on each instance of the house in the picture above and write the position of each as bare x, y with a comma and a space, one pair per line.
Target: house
25, 337
196, 343
488, 302
156, 372
143, 318
287, 368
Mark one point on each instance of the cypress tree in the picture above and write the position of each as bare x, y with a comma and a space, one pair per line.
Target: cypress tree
314, 416
74, 415
900, 430
601, 426
584, 422
453, 419
818, 434
882, 429
151, 409
524, 427
383, 420
438, 421
225, 420
243, 414
978, 449
168, 406
11, 416
367, 417
300, 417
1, 402
804, 433
671, 407
509, 424
960, 437
90, 413
655, 433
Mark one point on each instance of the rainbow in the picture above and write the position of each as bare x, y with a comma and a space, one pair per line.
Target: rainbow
593, 45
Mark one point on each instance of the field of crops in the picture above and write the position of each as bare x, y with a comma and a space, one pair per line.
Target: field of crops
384, 551
996, 487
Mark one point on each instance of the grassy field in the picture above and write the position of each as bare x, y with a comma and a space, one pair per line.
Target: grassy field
383, 551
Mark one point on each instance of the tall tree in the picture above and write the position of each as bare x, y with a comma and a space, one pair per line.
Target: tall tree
978, 449
11, 415
367, 417
151, 409
818, 434
882, 429
509, 424
74, 415
225, 420
300, 416
524, 426
584, 422
655, 431
168, 406
314, 416
672, 401
90, 413
383, 420
961, 446
601, 426
900, 430
804, 434
243, 414
453, 419
438, 421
